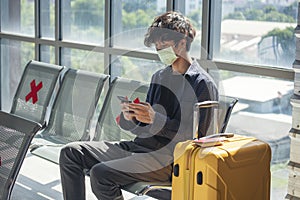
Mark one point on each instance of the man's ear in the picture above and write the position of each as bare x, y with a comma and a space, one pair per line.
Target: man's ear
182, 43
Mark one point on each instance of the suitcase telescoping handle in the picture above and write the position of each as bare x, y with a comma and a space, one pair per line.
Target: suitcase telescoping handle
204, 105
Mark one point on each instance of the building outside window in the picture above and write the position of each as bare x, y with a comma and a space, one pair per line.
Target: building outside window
256, 32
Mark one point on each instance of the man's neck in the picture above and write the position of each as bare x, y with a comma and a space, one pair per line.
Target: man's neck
181, 65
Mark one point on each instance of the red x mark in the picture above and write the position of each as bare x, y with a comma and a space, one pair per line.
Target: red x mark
34, 90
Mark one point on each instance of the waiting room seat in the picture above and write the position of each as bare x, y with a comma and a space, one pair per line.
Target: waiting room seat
16, 134
163, 190
107, 127
35, 89
71, 114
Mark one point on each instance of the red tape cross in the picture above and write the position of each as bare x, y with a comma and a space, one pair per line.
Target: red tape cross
34, 90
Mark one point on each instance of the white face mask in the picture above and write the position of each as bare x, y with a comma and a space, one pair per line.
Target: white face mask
167, 55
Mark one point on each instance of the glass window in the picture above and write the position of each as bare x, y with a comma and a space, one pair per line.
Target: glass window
256, 32
47, 54
138, 69
47, 19
17, 16
14, 57
87, 60
131, 18
193, 10
263, 111
83, 21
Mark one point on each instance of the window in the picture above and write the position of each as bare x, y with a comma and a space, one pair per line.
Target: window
47, 18
255, 32
83, 21
47, 54
14, 57
11, 20
80, 59
131, 19
141, 68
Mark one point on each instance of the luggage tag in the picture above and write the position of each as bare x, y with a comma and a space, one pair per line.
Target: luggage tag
208, 142
226, 135
212, 140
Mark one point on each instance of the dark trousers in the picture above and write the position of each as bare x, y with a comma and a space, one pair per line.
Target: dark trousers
111, 166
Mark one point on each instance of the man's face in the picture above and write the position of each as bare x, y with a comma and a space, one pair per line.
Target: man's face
178, 48
159, 45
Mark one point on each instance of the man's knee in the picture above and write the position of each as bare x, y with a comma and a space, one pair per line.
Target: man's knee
104, 182
100, 172
67, 152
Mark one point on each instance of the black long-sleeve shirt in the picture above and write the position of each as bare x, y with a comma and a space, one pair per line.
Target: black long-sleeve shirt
172, 96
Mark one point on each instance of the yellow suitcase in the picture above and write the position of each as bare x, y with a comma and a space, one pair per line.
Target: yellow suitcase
235, 168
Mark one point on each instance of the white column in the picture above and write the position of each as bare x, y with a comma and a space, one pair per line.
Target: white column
293, 192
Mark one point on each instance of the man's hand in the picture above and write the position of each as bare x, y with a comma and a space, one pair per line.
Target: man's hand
128, 115
143, 112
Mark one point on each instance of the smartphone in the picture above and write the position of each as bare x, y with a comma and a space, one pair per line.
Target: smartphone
124, 99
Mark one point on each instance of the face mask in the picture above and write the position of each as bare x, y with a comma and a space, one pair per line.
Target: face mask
167, 55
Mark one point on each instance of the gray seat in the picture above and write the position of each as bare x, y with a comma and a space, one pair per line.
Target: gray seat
16, 134
71, 113
162, 190
35, 90
107, 127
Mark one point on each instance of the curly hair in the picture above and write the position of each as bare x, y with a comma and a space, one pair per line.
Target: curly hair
170, 26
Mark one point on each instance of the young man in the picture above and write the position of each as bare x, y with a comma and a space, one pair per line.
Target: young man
159, 123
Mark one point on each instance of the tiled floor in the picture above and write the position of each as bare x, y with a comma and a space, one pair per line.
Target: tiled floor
39, 180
